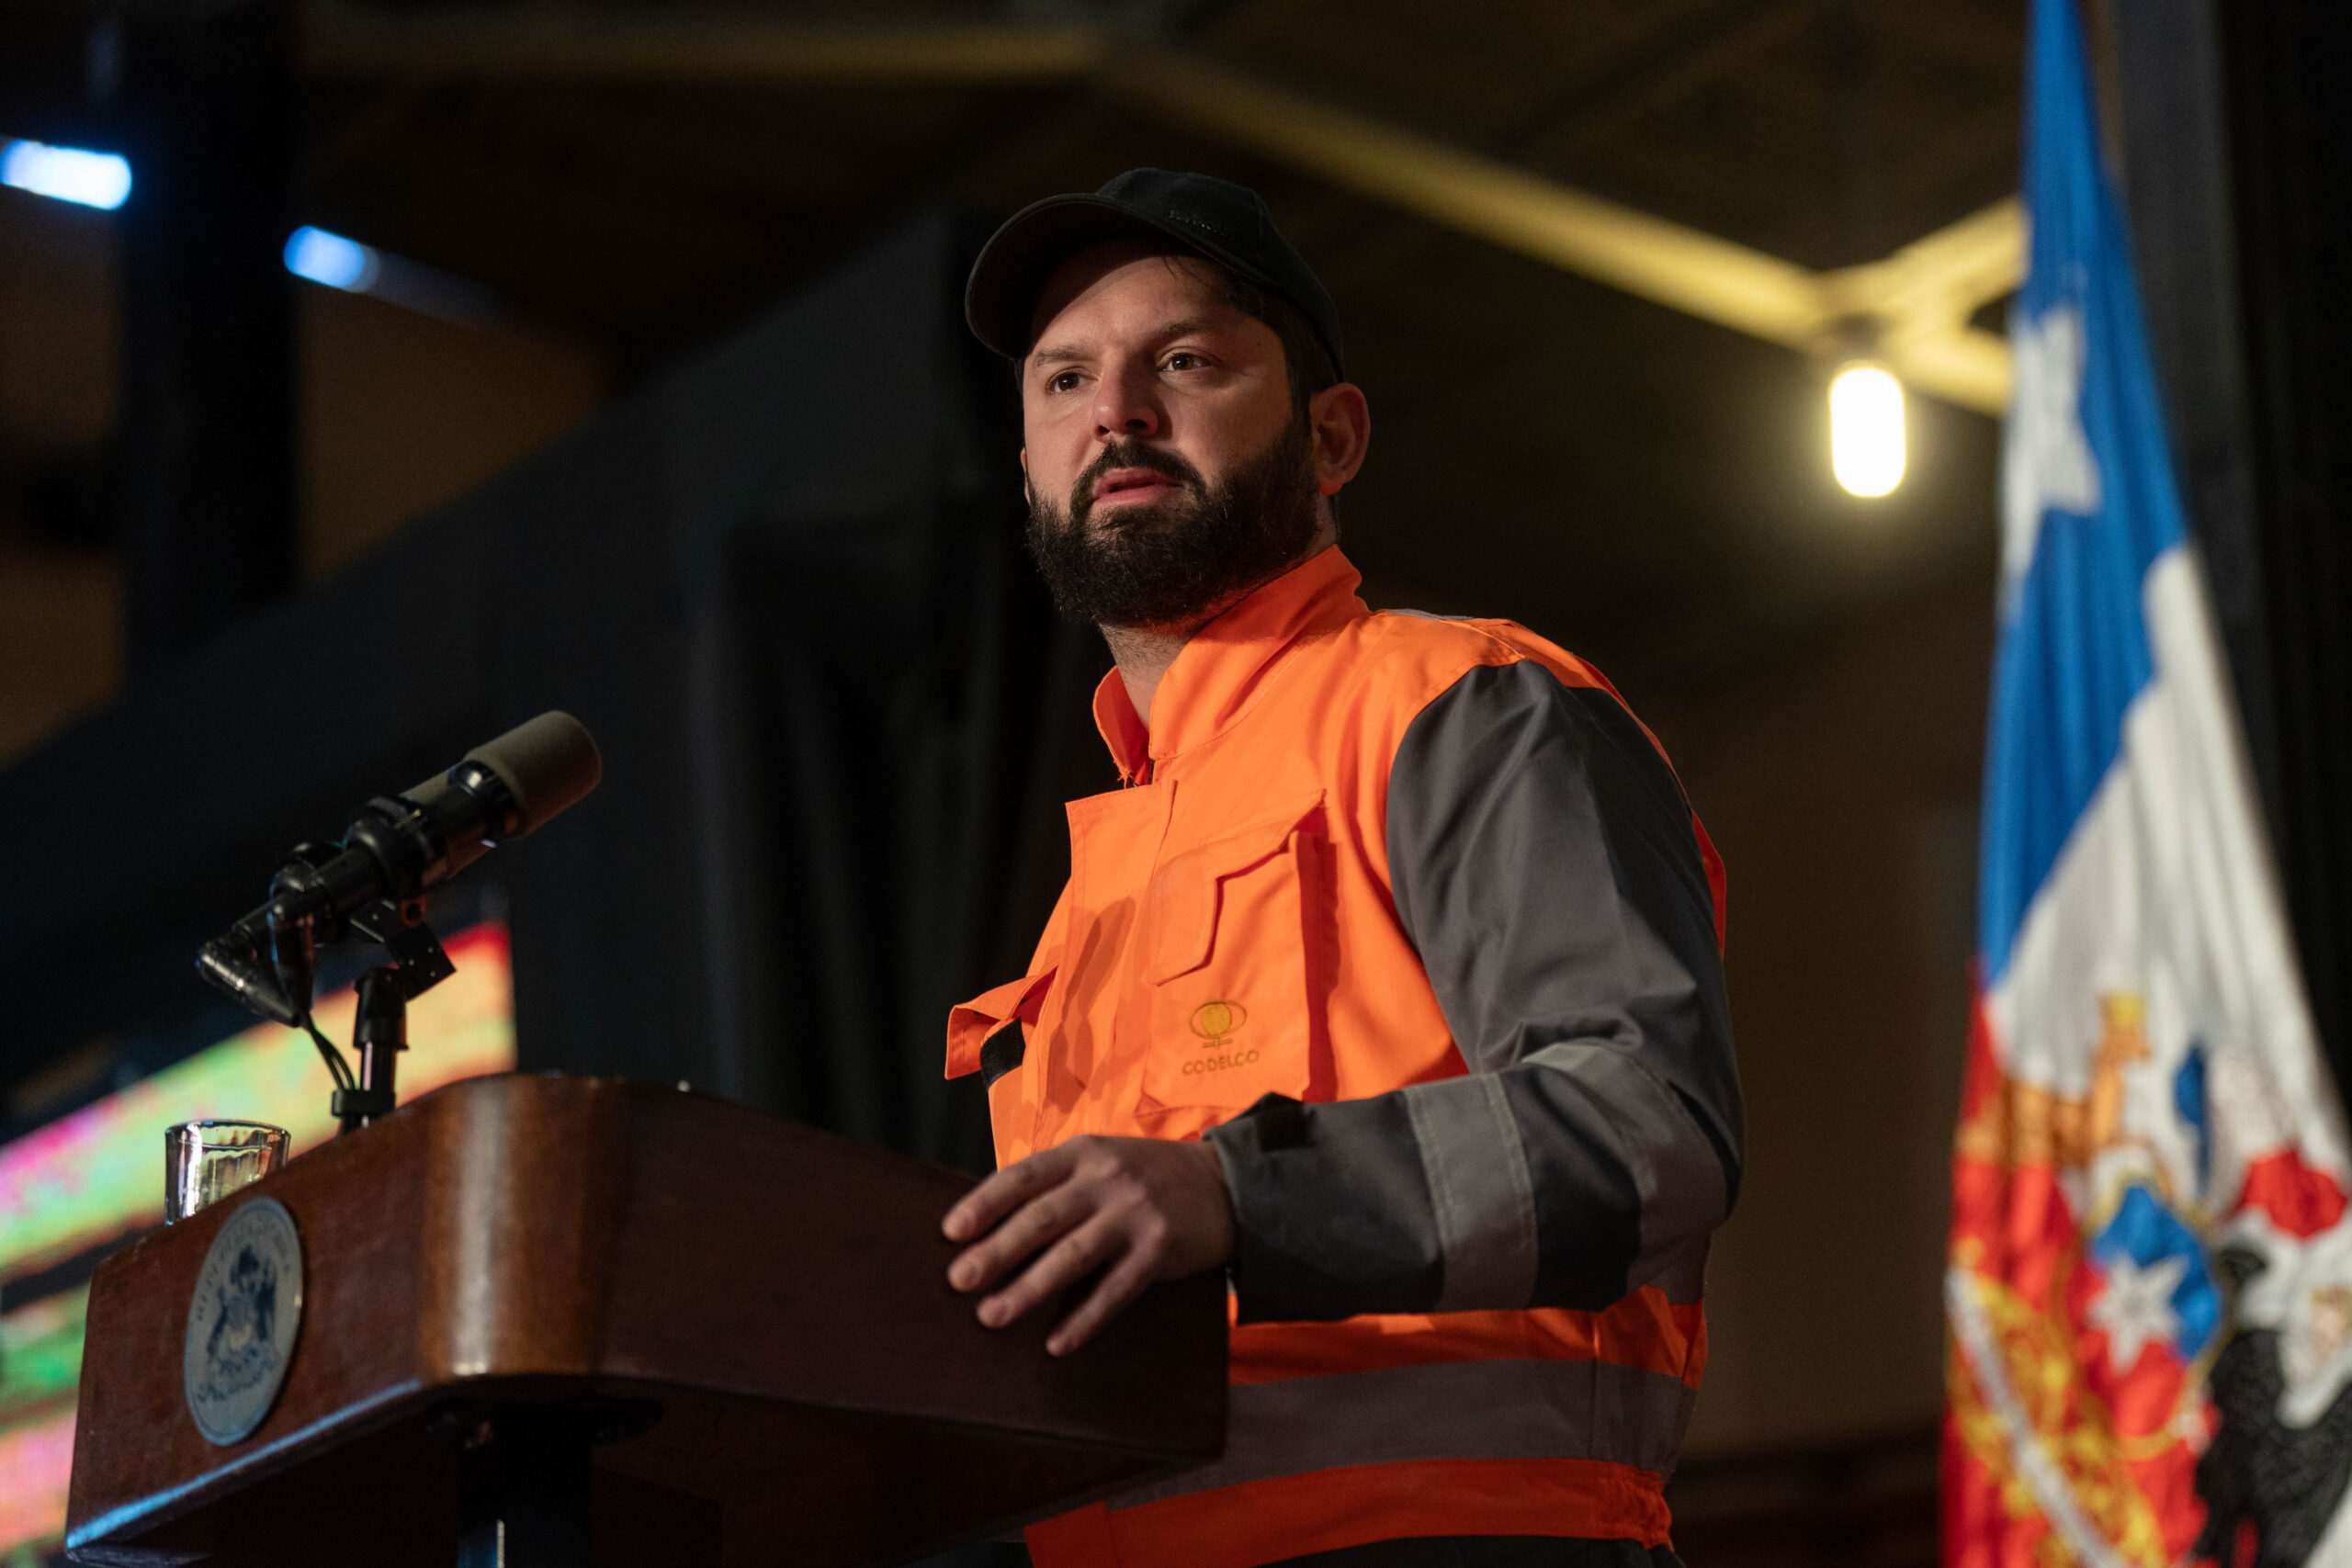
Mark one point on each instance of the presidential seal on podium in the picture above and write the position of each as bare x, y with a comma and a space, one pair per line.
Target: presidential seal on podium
242, 1321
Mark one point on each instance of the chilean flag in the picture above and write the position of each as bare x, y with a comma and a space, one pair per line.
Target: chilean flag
2150, 1281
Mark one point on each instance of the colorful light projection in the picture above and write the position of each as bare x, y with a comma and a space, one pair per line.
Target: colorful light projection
96, 1175
41, 1363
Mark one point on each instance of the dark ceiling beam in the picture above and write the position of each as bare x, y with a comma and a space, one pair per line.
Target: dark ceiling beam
576, 46
1911, 307
1603, 240
1690, 61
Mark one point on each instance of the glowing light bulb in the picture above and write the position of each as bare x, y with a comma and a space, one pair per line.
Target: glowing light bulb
1867, 450
68, 174
331, 259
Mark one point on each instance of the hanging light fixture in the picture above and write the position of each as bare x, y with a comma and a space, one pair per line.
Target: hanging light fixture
333, 260
1867, 446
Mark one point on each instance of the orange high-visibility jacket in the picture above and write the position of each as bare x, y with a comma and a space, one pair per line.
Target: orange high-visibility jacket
1410, 918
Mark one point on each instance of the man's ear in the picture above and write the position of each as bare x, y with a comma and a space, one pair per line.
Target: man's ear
1342, 420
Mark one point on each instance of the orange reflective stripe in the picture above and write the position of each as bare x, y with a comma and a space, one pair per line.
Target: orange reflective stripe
1644, 1330
1324, 1510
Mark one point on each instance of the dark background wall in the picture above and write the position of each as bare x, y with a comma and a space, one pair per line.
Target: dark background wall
2238, 163
793, 615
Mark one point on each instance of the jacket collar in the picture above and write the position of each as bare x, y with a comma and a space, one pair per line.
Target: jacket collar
1225, 663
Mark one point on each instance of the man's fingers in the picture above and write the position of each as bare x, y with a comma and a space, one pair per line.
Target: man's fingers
1128, 1210
978, 1211
1033, 1224
1119, 1287
1065, 1263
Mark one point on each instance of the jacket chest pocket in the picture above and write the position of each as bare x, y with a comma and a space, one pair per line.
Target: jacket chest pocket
1228, 975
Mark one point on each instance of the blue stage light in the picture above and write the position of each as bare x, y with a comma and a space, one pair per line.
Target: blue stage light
331, 259
69, 173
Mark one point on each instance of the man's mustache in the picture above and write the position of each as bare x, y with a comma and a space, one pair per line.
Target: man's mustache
1127, 453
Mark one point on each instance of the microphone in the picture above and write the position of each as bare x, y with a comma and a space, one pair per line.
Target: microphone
396, 849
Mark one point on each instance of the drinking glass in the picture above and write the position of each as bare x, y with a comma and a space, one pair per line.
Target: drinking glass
206, 1161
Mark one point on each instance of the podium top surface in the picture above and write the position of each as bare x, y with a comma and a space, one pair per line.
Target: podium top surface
778, 1292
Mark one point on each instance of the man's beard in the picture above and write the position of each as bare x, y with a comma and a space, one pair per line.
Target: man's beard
1164, 563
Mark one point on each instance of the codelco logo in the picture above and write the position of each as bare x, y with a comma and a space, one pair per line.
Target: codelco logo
1215, 1023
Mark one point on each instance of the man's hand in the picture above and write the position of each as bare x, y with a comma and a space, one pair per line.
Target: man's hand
1142, 1208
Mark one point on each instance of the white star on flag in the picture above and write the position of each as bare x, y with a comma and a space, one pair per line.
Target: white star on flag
2046, 461
2135, 1306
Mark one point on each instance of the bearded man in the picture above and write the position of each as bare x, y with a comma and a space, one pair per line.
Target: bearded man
1390, 982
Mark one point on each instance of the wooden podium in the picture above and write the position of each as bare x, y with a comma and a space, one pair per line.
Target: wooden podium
555, 1321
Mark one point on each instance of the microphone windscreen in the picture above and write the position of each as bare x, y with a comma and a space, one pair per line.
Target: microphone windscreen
548, 762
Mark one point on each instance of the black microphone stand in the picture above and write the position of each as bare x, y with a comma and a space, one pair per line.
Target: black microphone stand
379, 1032
268, 961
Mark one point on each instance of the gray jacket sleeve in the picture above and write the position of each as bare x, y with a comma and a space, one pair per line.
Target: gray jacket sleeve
1544, 865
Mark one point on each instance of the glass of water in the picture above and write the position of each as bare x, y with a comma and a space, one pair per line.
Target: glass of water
206, 1161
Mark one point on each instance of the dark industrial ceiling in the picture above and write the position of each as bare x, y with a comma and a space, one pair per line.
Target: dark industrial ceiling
1644, 486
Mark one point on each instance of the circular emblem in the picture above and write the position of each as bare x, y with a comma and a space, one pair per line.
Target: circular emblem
1213, 1020
241, 1323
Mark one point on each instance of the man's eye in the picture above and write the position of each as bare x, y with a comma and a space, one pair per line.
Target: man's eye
1183, 361
1066, 381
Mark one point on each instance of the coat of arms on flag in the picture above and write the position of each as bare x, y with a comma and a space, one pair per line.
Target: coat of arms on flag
2150, 1281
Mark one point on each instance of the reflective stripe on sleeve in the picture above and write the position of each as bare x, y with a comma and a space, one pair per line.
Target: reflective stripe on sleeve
1480, 1190
1680, 1182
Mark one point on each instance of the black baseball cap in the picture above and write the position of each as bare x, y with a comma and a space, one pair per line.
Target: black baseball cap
1226, 223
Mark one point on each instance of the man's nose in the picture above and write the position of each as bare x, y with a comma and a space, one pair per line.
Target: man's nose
1128, 402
